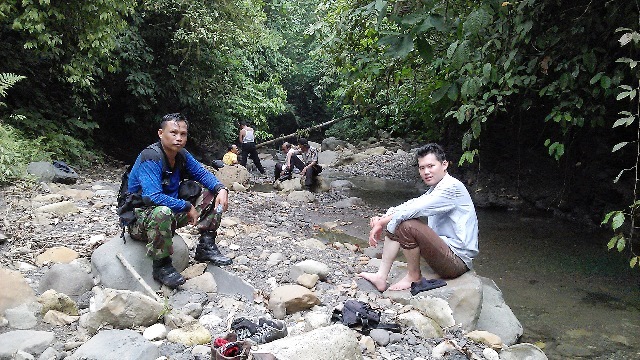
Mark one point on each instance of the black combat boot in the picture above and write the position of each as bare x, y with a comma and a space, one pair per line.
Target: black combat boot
207, 250
164, 272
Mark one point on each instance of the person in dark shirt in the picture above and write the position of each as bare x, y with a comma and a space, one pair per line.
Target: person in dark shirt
170, 202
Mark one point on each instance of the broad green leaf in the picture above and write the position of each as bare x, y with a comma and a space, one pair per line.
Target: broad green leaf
619, 146
622, 95
612, 243
607, 217
424, 49
438, 94
605, 82
634, 261
453, 92
595, 78
624, 121
451, 49
621, 244
406, 46
486, 70
617, 220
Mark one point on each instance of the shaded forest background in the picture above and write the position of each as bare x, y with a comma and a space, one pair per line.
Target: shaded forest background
537, 96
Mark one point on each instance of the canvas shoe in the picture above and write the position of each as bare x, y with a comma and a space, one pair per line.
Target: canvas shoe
269, 330
244, 328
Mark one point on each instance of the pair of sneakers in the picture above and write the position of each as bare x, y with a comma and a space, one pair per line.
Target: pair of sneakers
265, 331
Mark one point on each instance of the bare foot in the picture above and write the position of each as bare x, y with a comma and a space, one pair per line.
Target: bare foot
377, 280
403, 284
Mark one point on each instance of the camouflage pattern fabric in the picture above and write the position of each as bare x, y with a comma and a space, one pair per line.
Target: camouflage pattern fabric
156, 225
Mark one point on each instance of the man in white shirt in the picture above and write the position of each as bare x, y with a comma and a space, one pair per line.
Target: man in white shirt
308, 165
440, 226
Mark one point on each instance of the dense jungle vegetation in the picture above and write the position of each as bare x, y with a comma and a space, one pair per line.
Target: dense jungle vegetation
518, 87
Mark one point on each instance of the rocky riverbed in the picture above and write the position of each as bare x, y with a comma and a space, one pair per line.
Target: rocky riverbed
58, 243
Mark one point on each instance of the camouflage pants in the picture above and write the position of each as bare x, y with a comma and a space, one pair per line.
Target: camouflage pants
156, 225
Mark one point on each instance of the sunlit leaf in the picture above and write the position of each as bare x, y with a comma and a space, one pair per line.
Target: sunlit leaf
617, 221
621, 244
612, 243
624, 121
633, 262
619, 146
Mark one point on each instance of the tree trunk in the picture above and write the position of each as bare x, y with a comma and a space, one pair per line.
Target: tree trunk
314, 127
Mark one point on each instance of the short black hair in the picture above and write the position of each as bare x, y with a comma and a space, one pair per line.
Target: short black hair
432, 148
176, 117
303, 142
229, 147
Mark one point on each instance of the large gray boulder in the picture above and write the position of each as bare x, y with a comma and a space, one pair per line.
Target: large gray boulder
233, 173
331, 143
117, 345
463, 294
496, 316
30, 341
113, 274
49, 172
69, 279
336, 342
120, 309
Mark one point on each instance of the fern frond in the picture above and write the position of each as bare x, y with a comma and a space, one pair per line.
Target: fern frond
7, 80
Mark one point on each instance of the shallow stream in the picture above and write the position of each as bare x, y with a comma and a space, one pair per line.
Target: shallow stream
575, 299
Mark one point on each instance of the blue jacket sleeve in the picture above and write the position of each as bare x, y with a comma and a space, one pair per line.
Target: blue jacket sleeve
150, 177
202, 175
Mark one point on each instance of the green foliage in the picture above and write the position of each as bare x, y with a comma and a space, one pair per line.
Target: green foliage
624, 223
7, 81
351, 129
16, 152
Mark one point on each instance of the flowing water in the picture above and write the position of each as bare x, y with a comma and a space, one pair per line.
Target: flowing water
575, 299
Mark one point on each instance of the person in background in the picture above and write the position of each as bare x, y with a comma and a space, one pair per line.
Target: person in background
440, 226
231, 157
308, 165
282, 171
247, 140
157, 175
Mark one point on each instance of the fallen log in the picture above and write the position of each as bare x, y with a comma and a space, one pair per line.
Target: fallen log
314, 127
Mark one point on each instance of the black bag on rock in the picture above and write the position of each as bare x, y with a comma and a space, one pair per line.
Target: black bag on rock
356, 314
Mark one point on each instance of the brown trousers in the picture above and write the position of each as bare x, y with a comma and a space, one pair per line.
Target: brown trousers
414, 233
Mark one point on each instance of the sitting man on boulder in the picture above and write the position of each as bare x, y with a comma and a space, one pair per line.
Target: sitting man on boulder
168, 202
440, 226
231, 157
282, 171
308, 165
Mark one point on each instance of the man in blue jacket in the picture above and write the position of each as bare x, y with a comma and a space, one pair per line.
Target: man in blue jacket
157, 176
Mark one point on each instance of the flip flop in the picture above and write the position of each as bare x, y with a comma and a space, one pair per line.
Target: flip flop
425, 285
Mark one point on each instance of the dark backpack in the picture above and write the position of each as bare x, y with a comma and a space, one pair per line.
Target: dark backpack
357, 313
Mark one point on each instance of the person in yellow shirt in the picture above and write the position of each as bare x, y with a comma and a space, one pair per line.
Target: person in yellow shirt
231, 157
